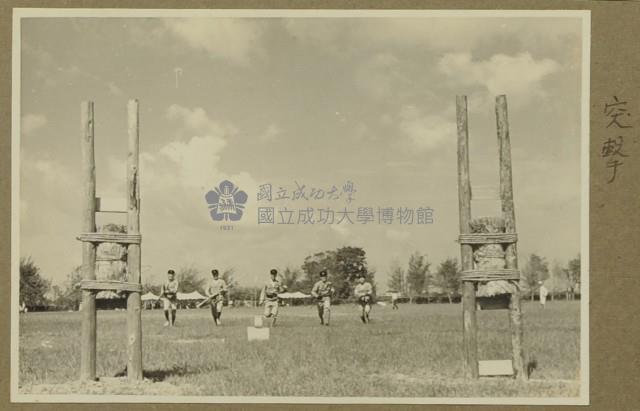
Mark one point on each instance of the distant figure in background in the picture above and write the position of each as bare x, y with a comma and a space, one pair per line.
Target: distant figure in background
169, 296
322, 291
543, 294
394, 300
364, 293
23, 308
269, 296
215, 294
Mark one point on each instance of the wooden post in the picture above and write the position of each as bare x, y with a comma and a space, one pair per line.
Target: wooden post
88, 343
470, 331
508, 213
134, 314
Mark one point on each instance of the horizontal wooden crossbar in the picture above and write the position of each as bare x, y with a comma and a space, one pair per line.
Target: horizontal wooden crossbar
490, 275
110, 238
488, 238
100, 285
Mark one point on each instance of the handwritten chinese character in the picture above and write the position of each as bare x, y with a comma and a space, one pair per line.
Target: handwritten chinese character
281, 194
615, 110
299, 192
610, 149
349, 190
613, 147
613, 164
264, 192
333, 193
316, 194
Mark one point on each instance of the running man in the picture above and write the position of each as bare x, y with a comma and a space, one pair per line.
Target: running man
169, 296
394, 300
215, 294
322, 291
364, 293
269, 296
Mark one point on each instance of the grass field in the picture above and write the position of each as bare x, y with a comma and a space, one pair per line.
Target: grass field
412, 352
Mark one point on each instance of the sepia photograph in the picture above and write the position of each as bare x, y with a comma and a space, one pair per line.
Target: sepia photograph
300, 206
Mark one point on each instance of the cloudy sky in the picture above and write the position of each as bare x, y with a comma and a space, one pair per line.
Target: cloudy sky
317, 102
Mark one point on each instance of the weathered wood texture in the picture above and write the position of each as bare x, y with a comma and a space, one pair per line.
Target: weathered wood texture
134, 314
464, 197
508, 214
110, 238
88, 342
102, 285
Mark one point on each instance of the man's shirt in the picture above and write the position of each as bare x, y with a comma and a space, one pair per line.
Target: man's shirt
216, 287
270, 290
363, 289
322, 289
170, 289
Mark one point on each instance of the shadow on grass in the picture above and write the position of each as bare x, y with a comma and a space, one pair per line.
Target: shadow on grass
163, 374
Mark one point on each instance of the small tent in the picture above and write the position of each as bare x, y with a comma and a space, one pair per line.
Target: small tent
149, 297
192, 296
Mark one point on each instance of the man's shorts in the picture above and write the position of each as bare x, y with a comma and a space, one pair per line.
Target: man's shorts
364, 300
271, 308
169, 304
325, 302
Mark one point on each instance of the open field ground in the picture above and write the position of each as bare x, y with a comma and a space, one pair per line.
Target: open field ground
412, 352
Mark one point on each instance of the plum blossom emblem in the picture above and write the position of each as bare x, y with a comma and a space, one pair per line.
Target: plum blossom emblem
226, 202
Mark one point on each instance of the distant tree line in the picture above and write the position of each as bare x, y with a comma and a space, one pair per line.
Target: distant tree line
418, 282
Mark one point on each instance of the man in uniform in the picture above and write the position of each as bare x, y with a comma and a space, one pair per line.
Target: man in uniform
169, 296
322, 291
269, 296
364, 293
215, 294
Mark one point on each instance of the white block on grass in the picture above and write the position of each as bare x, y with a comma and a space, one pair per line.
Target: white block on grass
257, 334
257, 321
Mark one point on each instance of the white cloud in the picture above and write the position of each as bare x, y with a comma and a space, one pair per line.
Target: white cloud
426, 131
519, 75
114, 89
32, 122
176, 176
341, 229
271, 133
197, 121
233, 40
380, 75
459, 34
